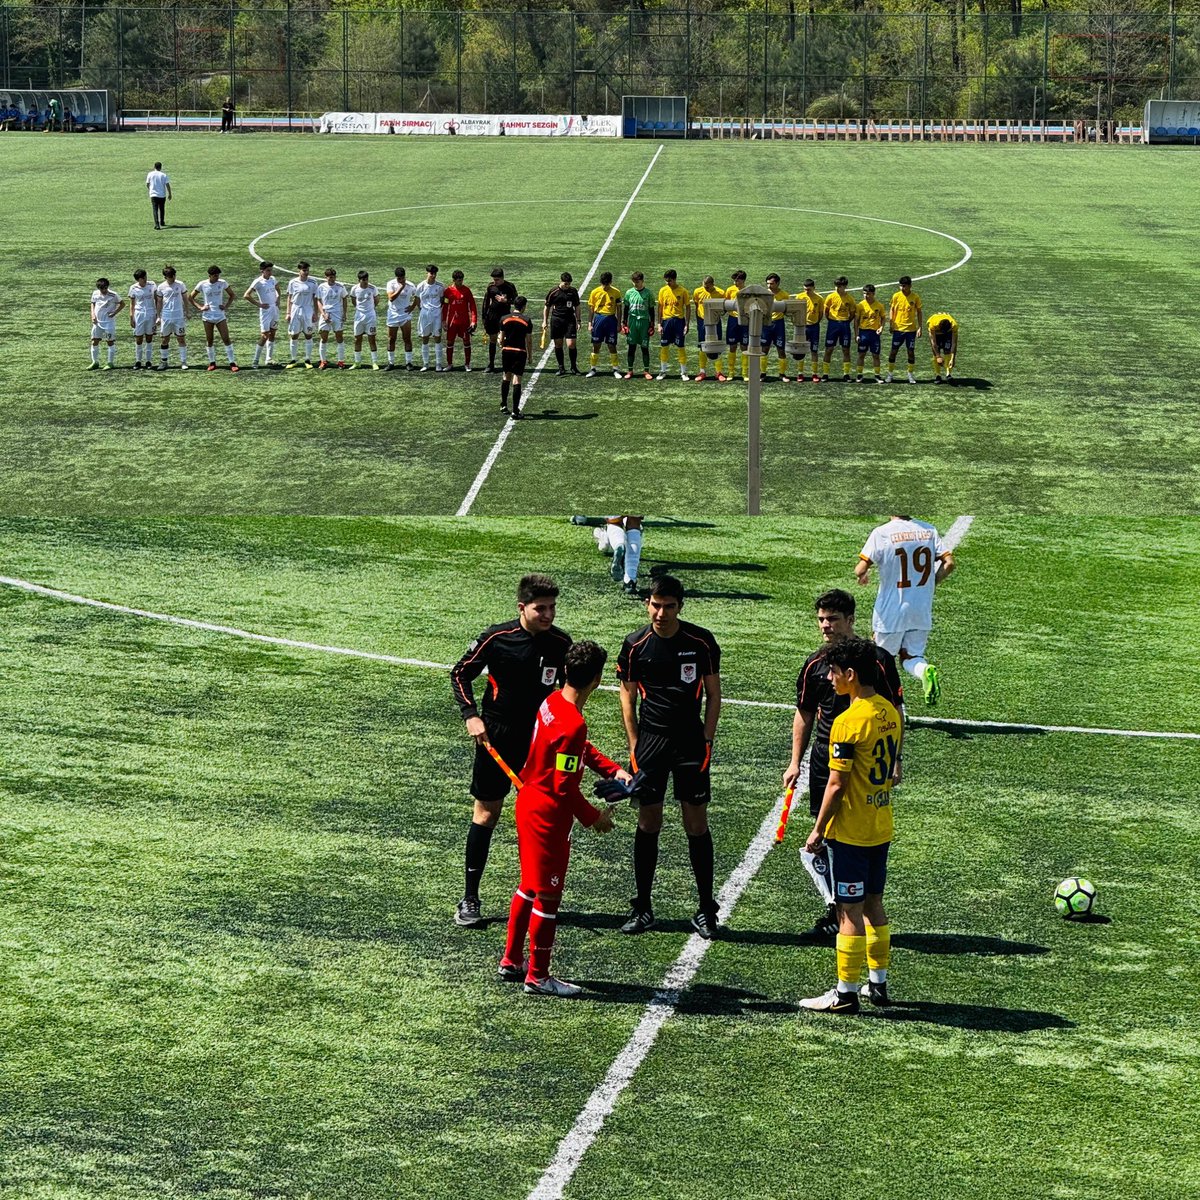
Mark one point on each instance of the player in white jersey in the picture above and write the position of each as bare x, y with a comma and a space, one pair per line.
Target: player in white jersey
402, 300
263, 293
331, 316
142, 315
912, 559
301, 314
212, 298
169, 300
104, 309
429, 296
365, 296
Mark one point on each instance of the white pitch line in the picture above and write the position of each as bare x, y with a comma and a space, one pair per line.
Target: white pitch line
659, 1011
494, 453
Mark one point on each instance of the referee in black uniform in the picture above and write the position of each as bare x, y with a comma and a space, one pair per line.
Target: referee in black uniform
670, 666
561, 312
497, 304
516, 345
817, 704
524, 663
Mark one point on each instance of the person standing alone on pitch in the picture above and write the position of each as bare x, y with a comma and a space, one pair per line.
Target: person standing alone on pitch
523, 659
158, 185
912, 559
669, 665
817, 704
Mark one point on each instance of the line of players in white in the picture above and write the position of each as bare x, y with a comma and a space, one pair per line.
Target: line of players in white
159, 311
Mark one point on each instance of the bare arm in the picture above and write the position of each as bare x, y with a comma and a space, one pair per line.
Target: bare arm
862, 571
629, 714
802, 727
946, 564
835, 789
712, 705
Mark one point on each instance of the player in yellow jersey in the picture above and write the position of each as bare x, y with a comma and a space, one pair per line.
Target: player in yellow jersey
775, 331
812, 329
839, 316
604, 307
737, 335
855, 822
708, 290
674, 305
943, 341
904, 318
868, 321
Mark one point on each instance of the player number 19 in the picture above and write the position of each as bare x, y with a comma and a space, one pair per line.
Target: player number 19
922, 561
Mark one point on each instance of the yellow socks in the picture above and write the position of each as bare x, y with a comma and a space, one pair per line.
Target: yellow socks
878, 951
851, 951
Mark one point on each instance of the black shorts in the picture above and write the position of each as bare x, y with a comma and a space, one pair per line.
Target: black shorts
858, 871
491, 323
818, 777
514, 362
659, 755
563, 327
488, 782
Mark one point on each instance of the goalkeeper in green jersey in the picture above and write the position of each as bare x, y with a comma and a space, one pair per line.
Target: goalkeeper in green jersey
637, 319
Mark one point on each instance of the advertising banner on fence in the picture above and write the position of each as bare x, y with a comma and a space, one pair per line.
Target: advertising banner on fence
471, 124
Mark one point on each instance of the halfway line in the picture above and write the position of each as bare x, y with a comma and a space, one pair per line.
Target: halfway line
494, 453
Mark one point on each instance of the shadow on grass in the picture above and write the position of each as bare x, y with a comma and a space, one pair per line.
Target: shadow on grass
1089, 919
553, 414
709, 1000
978, 385
921, 943
965, 732
971, 1016
667, 566
597, 922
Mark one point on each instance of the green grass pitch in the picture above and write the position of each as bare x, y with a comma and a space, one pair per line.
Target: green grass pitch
227, 966
1077, 346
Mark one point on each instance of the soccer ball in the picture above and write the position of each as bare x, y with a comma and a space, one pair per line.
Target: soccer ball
1074, 897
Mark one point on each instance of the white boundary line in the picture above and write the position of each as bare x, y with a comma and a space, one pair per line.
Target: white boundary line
494, 453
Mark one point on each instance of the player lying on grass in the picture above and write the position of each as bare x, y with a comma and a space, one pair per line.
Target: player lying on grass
621, 537
547, 804
855, 823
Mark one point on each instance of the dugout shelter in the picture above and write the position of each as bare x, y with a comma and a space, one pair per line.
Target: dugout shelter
1167, 121
654, 116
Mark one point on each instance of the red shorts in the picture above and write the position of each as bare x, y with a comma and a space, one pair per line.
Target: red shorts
543, 845
454, 332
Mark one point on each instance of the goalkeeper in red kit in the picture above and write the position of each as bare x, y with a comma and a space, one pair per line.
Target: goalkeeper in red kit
548, 803
459, 317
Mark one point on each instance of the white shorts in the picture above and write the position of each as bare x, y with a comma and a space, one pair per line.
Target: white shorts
430, 325
907, 643
301, 322
395, 322
331, 322
105, 331
214, 318
364, 323
144, 326
268, 319
169, 328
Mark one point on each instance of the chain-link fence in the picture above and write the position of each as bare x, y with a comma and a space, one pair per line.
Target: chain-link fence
778, 65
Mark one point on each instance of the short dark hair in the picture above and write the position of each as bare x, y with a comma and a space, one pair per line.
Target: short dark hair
853, 653
214, 270
868, 287
667, 586
158, 166
810, 283
431, 268
840, 281
605, 277
906, 279
302, 266
944, 327
262, 266
636, 276
139, 274
456, 275
772, 276
363, 275
102, 282
583, 662
401, 271
497, 272
534, 587
836, 600
565, 277
670, 274
168, 269
520, 302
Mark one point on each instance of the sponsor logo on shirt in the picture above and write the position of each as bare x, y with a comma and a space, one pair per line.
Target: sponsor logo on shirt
687, 672
549, 675
850, 891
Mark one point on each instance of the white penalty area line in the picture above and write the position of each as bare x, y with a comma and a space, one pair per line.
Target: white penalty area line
494, 453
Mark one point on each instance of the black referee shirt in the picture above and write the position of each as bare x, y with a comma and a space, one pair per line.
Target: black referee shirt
522, 670
562, 302
514, 330
669, 674
498, 300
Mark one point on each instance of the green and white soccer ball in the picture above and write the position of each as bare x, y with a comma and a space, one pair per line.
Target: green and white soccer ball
1074, 897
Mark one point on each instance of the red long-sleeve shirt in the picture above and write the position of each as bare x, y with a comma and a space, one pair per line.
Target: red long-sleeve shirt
459, 305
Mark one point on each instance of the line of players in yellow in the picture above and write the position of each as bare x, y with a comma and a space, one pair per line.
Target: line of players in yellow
848, 322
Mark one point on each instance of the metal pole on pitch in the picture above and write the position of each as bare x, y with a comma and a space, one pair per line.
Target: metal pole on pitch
754, 416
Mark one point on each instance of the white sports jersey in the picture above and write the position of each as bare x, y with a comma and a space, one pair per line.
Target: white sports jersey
157, 182
266, 290
171, 295
400, 298
332, 297
143, 301
430, 295
906, 554
364, 298
212, 293
105, 304
303, 293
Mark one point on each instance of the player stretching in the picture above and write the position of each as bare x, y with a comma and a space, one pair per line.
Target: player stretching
868, 321
142, 316
904, 319
817, 704
516, 345
497, 304
401, 301
301, 314
366, 297
172, 316
263, 293
212, 298
331, 315
707, 290
560, 317
524, 660
912, 559
429, 319
669, 664
604, 304
855, 822
547, 804
104, 308
461, 317
638, 319
674, 305
943, 342
840, 308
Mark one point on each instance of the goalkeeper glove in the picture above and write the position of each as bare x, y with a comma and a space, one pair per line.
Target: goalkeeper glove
612, 791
